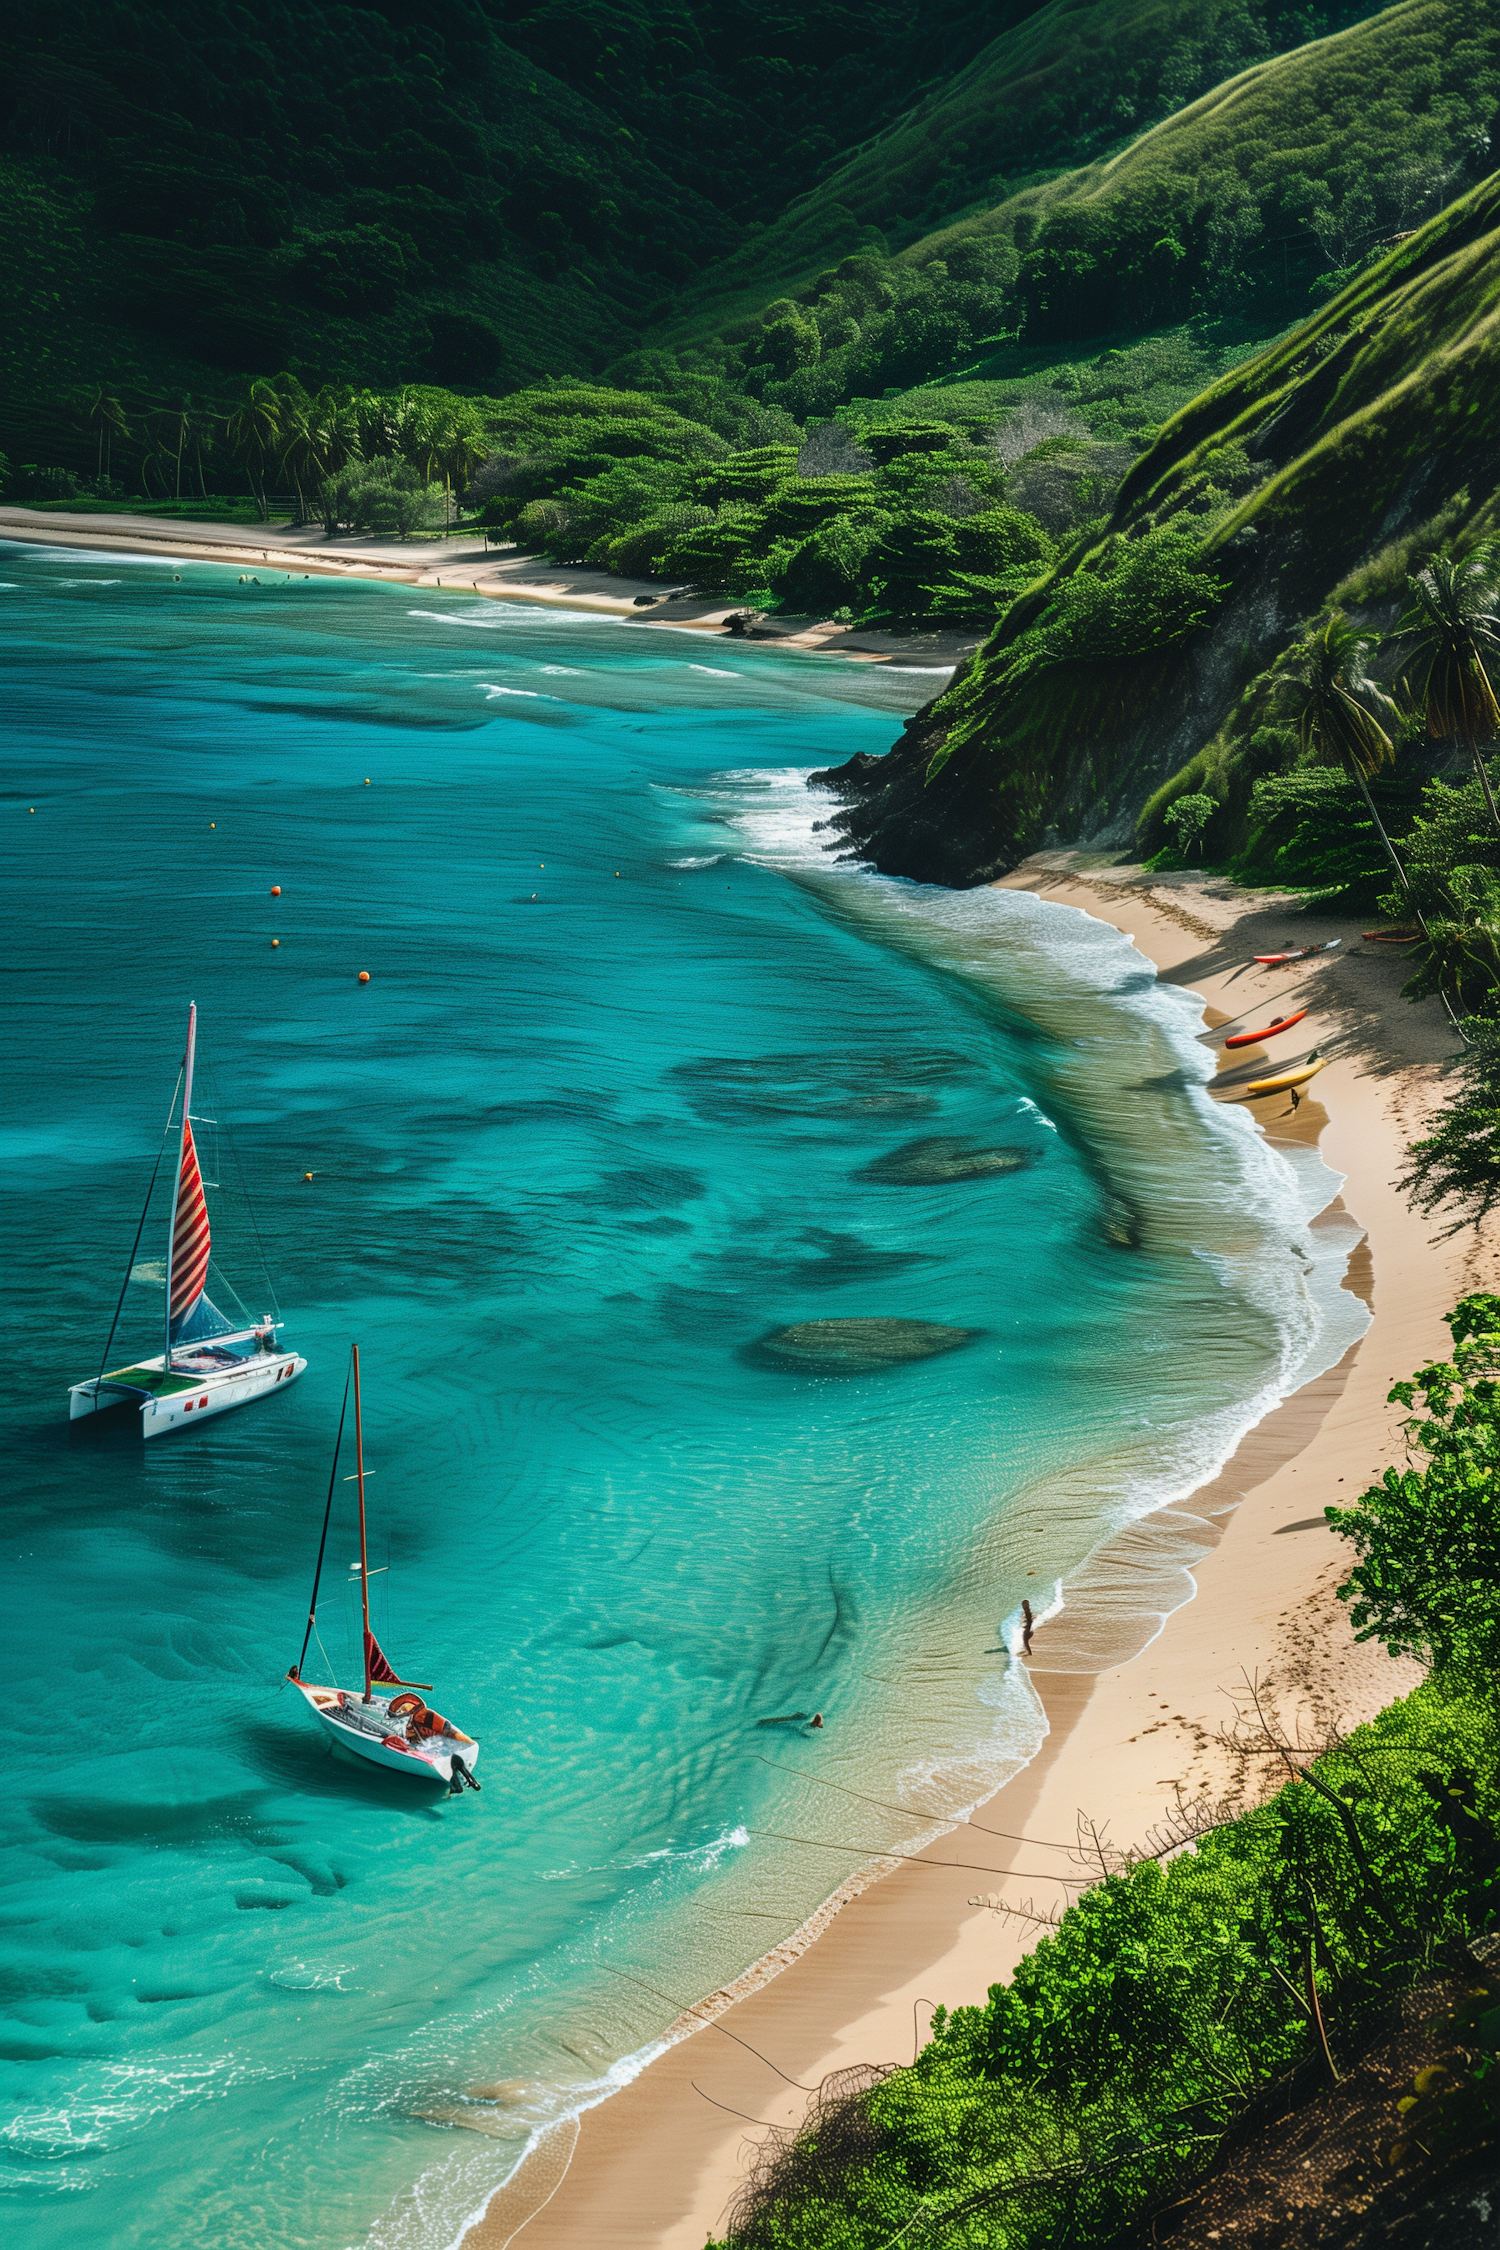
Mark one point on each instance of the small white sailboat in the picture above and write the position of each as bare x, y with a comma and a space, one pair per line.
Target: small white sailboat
208, 1365
394, 1728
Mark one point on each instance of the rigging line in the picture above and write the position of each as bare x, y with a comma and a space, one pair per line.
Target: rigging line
950, 1820
333, 1678
884, 1851
221, 1281
312, 1610
239, 1169
713, 2023
140, 1230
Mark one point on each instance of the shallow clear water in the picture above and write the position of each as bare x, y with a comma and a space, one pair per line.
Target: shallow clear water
600, 1122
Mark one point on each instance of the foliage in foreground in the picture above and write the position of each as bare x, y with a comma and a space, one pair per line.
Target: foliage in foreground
1098, 2082
1427, 1582
1102, 2076
1456, 1163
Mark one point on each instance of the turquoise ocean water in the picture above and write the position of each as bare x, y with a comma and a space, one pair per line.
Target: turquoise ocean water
602, 1119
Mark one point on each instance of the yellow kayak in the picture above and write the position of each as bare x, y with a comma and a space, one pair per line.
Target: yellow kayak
1288, 1079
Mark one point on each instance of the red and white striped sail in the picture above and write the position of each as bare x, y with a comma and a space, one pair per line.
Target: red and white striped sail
190, 1238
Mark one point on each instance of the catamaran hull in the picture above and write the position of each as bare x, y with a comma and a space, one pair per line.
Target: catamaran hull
217, 1393
428, 1762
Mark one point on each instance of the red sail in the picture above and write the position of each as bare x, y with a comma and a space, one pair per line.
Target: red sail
190, 1244
375, 1659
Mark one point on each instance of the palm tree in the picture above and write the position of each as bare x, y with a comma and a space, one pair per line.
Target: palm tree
178, 424
253, 431
333, 427
1451, 620
1341, 712
106, 418
297, 448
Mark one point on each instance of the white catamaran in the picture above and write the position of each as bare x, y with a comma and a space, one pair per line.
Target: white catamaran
208, 1365
394, 1729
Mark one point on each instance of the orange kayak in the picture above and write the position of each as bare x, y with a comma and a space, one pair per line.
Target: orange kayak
1288, 1079
1254, 1038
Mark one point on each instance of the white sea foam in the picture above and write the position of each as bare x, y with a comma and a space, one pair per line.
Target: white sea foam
714, 671
484, 621
1223, 1192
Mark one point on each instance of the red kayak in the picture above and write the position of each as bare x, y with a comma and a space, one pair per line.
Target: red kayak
1253, 1038
1303, 953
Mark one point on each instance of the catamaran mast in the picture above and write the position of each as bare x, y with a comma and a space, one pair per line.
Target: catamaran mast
187, 1103
364, 1559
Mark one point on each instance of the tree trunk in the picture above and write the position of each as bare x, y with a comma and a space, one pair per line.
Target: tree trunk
1401, 877
1390, 849
1484, 783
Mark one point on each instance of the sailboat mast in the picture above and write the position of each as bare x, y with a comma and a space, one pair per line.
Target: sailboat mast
187, 1103
364, 1559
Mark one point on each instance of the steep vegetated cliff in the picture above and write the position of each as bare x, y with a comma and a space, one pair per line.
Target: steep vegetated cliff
1141, 668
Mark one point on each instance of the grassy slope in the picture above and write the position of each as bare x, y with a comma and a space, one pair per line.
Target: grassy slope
1075, 78
1380, 413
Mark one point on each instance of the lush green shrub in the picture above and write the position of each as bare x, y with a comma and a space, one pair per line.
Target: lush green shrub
830, 570
1100, 2078
1455, 1167
1427, 1582
386, 496
640, 551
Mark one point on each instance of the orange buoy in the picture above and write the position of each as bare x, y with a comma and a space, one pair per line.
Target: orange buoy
275, 890
307, 1175
274, 943
367, 781
364, 976
213, 824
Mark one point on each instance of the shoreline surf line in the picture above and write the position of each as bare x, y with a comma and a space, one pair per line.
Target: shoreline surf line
653, 2165
706, 614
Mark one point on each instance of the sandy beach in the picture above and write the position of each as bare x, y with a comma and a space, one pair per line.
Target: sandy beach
660, 2163
467, 565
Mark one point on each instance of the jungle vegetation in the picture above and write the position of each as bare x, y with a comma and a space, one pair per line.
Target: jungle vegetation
1227, 1952
1146, 344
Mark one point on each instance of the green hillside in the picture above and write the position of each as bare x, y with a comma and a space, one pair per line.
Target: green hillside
1071, 83
470, 192
1313, 477
1280, 179
481, 193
